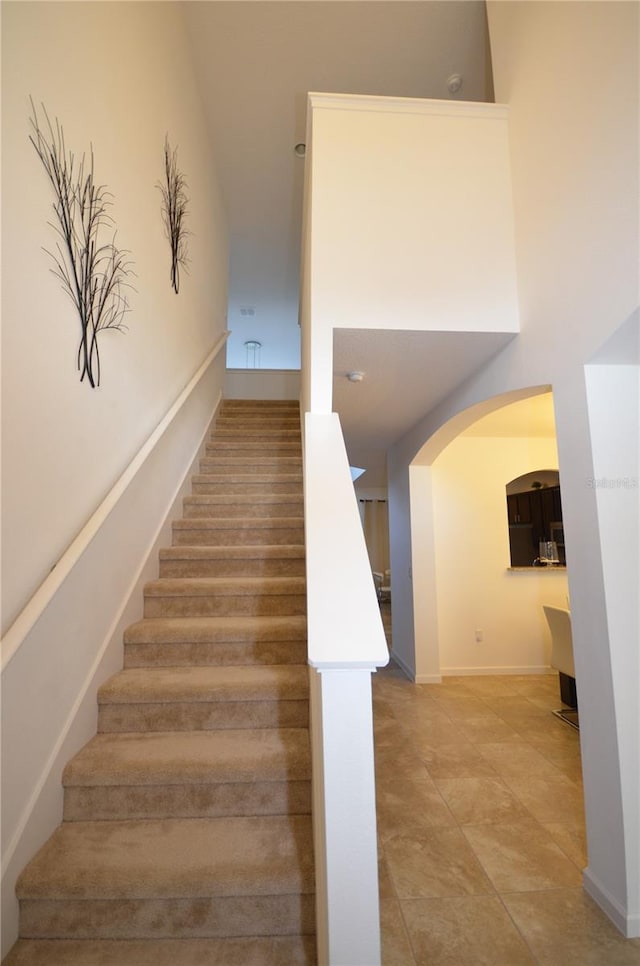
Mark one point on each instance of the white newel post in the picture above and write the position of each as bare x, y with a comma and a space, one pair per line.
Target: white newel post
344, 803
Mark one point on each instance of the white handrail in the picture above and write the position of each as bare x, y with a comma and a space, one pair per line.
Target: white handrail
345, 628
37, 604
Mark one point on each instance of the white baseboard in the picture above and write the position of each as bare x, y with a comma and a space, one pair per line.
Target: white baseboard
627, 923
410, 673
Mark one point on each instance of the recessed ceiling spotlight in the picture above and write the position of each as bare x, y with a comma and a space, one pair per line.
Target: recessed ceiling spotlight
355, 376
454, 83
300, 149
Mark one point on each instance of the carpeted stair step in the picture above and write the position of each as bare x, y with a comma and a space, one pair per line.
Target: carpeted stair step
253, 422
204, 698
191, 878
254, 951
218, 532
224, 464
197, 641
199, 774
260, 432
260, 405
252, 447
283, 561
243, 505
224, 596
268, 483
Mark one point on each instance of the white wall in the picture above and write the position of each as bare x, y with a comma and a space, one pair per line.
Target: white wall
568, 73
117, 76
382, 168
90, 475
476, 589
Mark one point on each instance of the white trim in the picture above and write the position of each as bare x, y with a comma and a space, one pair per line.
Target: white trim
411, 674
406, 105
629, 925
47, 590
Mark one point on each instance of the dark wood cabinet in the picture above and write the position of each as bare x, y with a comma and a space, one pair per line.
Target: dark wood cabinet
534, 515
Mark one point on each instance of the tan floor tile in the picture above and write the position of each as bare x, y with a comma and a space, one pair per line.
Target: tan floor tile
513, 706
434, 862
572, 839
391, 766
463, 931
488, 729
566, 927
432, 734
461, 706
396, 948
521, 856
459, 760
480, 801
404, 804
388, 733
549, 799
492, 685
385, 885
516, 759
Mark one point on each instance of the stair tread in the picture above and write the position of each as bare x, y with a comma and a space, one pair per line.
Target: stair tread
248, 499
199, 757
242, 552
236, 523
251, 951
204, 629
172, 858
203, 684
223, 586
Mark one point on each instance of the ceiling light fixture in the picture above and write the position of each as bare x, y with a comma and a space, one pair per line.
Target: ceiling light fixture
300, 149
355, 376
252, 350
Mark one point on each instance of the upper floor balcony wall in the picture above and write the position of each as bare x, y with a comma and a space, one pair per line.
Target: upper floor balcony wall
408, 223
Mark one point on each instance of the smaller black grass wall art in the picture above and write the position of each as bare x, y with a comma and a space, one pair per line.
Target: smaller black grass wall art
174, 212
92, 270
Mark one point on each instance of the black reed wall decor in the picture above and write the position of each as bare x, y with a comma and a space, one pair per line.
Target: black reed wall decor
174, 212
92, 271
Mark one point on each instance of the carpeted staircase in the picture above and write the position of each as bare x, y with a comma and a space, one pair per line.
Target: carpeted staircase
187, 829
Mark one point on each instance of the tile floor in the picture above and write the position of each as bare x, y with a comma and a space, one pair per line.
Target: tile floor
481, 827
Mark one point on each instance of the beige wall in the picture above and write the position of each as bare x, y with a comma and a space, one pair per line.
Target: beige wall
476, 590
117, 76
98, 469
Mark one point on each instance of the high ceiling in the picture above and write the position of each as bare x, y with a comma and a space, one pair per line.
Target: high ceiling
255, 62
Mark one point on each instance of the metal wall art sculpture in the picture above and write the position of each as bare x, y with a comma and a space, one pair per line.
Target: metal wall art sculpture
93, 271
174, 211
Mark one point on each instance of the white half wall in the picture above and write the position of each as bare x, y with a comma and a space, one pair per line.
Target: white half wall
262, 384
409, 216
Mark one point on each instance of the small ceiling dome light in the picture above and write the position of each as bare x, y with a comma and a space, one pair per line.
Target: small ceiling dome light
355, 376
454, 83
300, 149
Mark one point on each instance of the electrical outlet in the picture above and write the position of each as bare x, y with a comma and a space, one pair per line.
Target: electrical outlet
479, 637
